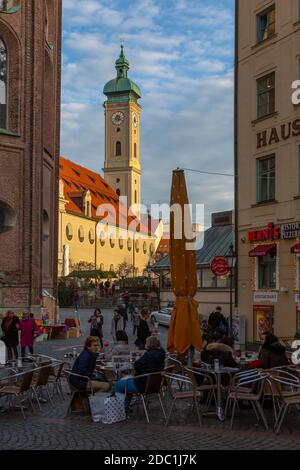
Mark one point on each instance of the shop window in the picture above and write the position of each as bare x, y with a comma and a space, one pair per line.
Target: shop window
7, 217
3, 85
208, 279
118, 149
266, 179
266, 24
263, 321
267, 272
266, 95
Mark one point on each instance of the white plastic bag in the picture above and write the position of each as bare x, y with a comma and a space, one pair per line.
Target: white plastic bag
97, 406
114, 409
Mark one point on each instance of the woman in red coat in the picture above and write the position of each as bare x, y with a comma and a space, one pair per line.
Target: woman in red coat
28, 329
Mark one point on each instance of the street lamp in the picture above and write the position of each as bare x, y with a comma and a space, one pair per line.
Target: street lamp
231, 258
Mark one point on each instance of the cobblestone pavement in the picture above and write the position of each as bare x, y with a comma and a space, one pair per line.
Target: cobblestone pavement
50, 430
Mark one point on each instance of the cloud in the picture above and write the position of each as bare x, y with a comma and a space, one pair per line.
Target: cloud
181, 56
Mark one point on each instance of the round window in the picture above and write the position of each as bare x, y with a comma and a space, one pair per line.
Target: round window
69, 232
102, 238
81, 234
92, 236
129, 244
112, 241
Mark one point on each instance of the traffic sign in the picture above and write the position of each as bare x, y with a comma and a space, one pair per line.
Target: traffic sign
219, 266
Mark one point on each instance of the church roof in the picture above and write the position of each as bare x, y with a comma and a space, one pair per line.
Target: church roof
78, 179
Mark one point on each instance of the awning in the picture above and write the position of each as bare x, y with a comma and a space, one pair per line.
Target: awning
263, 250
296, 248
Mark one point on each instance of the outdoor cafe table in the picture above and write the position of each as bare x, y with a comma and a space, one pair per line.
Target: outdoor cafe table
218, 374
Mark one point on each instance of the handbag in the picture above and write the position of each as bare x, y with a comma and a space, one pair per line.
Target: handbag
114, 407
97, 406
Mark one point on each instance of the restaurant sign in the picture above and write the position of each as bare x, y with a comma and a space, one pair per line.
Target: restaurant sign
271, 297
269, 234
289, 231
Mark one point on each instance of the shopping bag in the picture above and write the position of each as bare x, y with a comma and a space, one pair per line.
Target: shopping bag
97, 406
114, 409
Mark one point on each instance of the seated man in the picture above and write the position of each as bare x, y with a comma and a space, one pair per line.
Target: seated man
85, 364
152, 361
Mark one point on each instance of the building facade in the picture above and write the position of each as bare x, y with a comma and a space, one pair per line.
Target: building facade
267, 158
95, 227
122, 167
30, 64
212, 290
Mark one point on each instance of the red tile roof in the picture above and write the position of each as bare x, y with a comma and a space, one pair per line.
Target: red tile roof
78, 179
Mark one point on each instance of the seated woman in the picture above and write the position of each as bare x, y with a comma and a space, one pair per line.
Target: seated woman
121, 347
272, 353
85, 364
152, 361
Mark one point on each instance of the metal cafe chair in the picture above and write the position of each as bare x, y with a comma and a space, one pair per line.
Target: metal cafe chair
55, 379
19, 389
285, 400
40, 382
176, 393
249, 389
76, 393
153, 388
208, 384
271, 388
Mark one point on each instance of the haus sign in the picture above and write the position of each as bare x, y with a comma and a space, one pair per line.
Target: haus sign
278, 134
270, 233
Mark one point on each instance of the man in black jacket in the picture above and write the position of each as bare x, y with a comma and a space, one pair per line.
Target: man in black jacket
143, 330
85, 366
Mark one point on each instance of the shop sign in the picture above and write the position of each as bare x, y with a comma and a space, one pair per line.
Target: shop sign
219, 266
276, 134
260, 297
289, 231
269, 234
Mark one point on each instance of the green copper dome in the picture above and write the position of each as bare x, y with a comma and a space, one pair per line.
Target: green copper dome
122, 88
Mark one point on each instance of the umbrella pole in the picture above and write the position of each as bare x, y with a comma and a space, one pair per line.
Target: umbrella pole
191, 355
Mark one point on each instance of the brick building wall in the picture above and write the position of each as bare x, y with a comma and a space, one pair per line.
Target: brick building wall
29, 150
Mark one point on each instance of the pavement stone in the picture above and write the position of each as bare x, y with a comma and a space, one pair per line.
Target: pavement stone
49, 429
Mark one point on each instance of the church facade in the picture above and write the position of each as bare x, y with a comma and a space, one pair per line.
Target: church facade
30, 64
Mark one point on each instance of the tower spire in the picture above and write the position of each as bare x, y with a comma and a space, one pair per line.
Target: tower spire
122, 64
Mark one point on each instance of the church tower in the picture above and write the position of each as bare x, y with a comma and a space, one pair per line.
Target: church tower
122, 168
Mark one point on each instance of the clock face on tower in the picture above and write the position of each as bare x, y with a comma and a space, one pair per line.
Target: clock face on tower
135, 120
117, 118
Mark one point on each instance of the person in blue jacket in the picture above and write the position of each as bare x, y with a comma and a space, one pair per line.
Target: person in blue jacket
85, 365
152, 361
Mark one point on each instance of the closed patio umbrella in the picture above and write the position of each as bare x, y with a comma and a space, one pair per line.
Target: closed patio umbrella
184, 331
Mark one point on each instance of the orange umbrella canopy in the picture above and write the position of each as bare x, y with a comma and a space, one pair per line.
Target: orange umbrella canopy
184, 331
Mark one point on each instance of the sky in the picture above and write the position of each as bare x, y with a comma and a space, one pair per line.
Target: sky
181, 55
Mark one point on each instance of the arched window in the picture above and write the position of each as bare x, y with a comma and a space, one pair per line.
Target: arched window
135, 150
3, 85
118, 149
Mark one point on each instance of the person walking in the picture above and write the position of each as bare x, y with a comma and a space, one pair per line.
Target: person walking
143, 330
217, 321
10, 327
135, 320
96, 322
76, 300
123, 312
28, 331
117, 324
